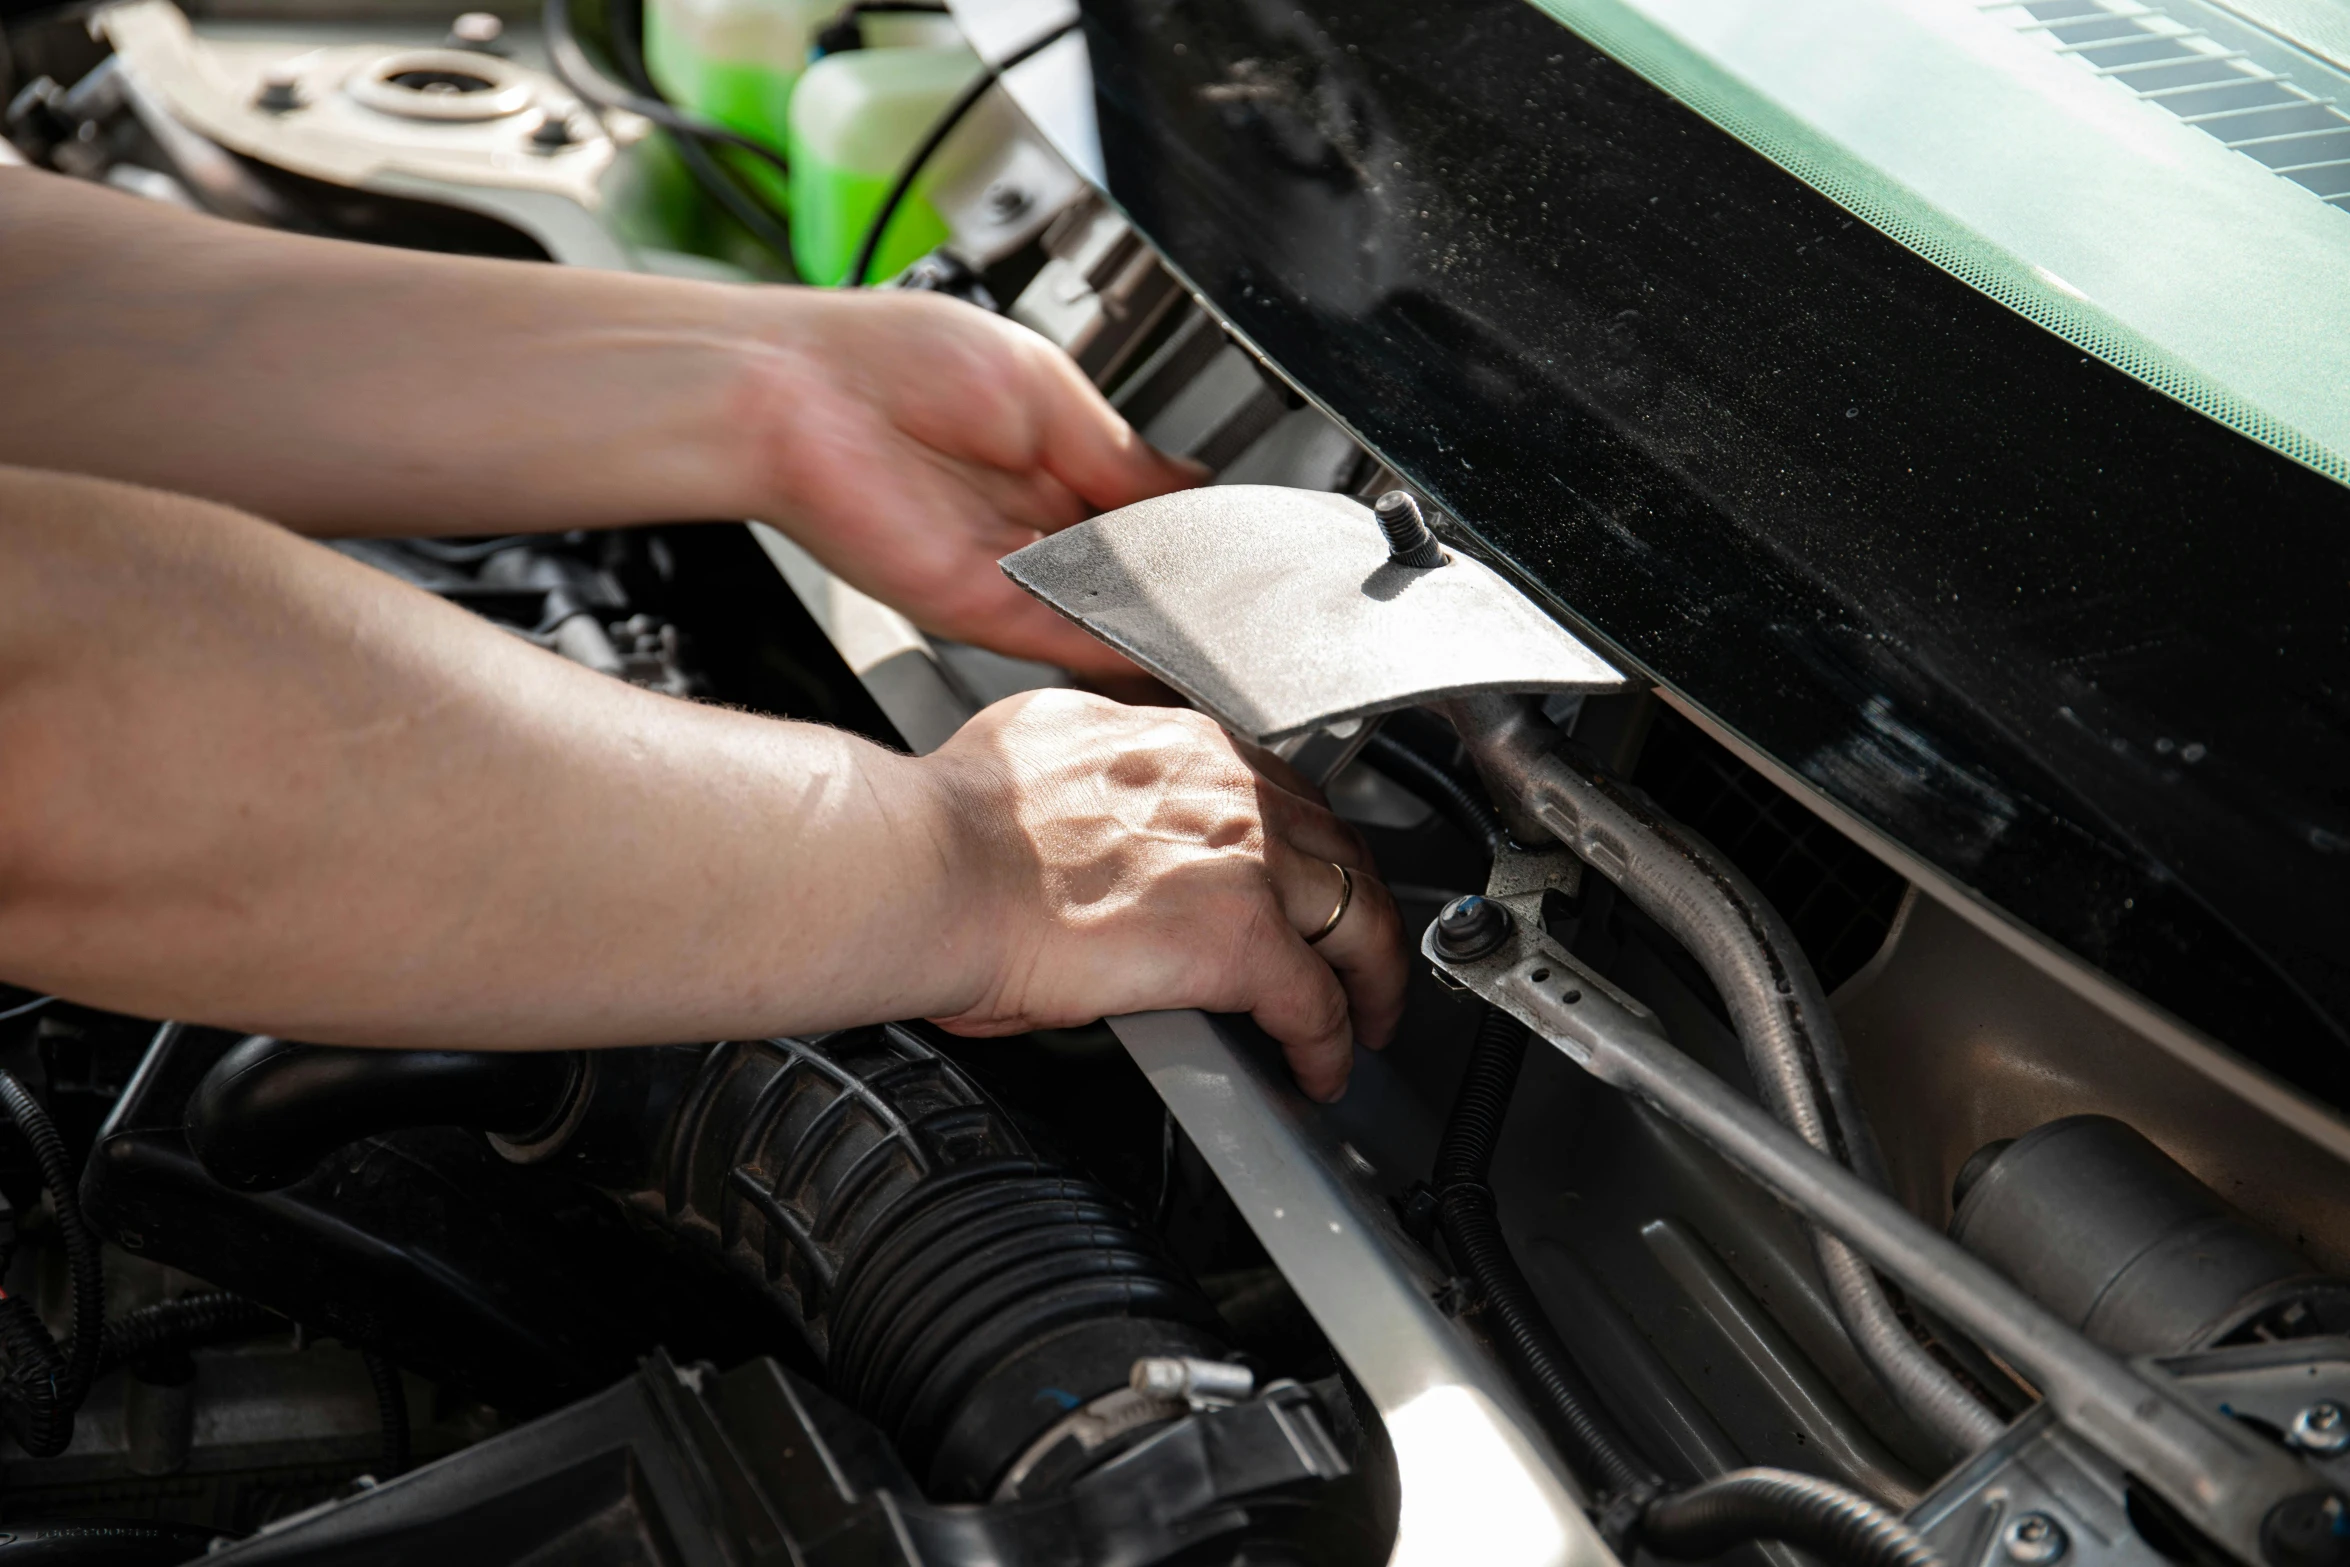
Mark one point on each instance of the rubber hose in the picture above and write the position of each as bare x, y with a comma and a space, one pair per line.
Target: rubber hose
962, 1278
1465, 1211
168, 1329
391, 1406
271, 1110
1782, 1016
1451, 797
63, 1386
940, 1265
1839, 1526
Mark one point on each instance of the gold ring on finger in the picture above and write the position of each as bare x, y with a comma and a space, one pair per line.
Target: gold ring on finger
1346, 895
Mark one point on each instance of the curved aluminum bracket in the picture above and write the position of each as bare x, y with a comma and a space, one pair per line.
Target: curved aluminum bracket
1278, 612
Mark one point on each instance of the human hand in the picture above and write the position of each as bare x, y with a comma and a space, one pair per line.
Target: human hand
909, 442
1129, 859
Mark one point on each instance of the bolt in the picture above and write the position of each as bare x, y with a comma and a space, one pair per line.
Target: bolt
1005, 201
1409, 543
2324, 1427
1471, 928
476, 30
2309, 1530
2034, 1540
281, 88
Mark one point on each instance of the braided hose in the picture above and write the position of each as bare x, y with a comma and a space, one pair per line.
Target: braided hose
1781, 1015
1839, 1526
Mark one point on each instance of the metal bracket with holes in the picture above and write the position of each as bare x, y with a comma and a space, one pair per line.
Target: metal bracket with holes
2231, 1482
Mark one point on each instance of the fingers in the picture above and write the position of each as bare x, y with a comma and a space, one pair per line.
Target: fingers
1310, 826
1021, 627
1304, 1007
1364, 948
1095, 452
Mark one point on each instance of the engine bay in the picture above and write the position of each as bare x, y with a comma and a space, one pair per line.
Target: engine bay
1118, 1294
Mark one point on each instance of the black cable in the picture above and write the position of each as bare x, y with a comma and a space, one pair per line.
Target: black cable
46, 1384
25, 1008
1465, 1210
1839, 1526
152, 1338
688, 133
743, 200
577, 72
1452, 797
989, 75
391, 1403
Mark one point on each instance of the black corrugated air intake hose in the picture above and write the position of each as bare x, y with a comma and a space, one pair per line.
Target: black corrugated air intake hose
45, 1383
963, 1288
966, 1290
1839, 1525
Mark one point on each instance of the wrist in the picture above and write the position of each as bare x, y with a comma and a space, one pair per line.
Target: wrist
776, 377
966, 897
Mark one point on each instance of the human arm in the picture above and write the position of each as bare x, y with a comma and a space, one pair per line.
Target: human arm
907, 440
246, 781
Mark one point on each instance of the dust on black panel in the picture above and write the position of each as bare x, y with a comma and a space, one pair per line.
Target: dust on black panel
1839, 898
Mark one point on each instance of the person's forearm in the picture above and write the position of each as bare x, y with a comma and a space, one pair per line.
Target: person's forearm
343, 388
248, 782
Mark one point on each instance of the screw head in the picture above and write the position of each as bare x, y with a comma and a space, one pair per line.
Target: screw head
2324, 1427
1471, 928
1005, 201
2309, 1530
2033, 1540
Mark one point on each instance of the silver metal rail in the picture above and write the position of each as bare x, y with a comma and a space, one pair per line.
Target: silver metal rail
2235, 1486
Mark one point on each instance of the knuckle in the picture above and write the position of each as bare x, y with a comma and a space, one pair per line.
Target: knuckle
1323, 1009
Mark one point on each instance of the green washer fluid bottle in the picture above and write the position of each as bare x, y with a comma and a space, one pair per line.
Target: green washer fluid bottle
856, 117
736, 62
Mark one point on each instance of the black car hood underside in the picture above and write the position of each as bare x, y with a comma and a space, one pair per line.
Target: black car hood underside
2077, 645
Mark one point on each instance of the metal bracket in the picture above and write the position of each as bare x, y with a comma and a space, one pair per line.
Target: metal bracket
2222, 1475
1278, 611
